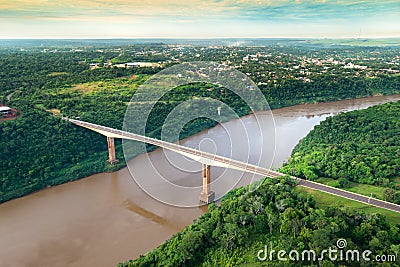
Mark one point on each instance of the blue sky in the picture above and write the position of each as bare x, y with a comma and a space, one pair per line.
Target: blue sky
198, 18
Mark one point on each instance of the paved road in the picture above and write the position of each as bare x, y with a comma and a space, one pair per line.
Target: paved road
215, 160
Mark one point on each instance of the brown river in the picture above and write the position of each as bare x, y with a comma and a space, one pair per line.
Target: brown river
106, 218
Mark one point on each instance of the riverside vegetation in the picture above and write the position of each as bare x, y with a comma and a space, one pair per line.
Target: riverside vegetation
359, 146
39, 149
276, 215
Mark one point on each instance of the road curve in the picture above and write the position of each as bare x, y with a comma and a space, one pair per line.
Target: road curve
220, 161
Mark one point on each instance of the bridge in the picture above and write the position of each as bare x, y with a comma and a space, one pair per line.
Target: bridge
208, 159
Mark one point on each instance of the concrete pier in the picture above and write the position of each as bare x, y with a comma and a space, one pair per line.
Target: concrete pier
112, 159
206, 196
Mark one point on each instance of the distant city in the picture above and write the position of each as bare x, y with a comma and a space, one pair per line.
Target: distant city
264, 60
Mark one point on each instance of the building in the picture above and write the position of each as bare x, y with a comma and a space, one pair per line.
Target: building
139, 65
94, 66
5, 110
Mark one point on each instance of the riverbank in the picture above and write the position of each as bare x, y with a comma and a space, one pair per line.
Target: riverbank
106, 218
296, 110
96, 163
74, 153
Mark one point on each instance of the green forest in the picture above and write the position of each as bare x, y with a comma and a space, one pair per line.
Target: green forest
39, 149
281, 217
355, 147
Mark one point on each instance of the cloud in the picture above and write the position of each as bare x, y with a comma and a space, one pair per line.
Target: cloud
306, 14
198, 8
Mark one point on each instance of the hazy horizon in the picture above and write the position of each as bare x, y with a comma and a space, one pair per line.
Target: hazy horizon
201, 38
196, 19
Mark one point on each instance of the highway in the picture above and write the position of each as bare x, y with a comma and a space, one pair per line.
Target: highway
219, 161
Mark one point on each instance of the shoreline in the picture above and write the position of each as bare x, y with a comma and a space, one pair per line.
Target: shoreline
103, 213
272, 111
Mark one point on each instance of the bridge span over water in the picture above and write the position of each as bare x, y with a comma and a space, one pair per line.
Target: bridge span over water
208, 159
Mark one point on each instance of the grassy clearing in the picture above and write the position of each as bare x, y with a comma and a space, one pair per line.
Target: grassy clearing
54, 111
95, 87
113, 85
326, 200
362, 189
54, 74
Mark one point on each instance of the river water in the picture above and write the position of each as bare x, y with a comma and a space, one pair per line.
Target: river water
106, 218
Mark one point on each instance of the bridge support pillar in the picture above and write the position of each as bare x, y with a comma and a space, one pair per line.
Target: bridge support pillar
206, 196
112, 159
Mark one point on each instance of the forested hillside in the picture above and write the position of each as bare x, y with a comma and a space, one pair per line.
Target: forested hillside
276, 215
359, 146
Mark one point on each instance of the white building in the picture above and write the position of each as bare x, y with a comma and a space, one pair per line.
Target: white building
5, 110
139, 64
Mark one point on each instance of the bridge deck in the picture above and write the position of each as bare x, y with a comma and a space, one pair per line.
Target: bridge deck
219, 161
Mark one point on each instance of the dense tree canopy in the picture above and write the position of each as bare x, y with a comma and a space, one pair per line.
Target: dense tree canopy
361, 146
276, 215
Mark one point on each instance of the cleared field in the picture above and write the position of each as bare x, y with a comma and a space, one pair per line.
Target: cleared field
327, 200
363, 189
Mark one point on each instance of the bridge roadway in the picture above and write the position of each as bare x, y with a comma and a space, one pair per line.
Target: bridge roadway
219, 161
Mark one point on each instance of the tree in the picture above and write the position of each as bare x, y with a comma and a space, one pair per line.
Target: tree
389, 194
343, 183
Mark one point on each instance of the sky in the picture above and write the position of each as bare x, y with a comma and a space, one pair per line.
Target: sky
199, 18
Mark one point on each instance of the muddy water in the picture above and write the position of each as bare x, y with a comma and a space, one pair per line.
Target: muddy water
105, 218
